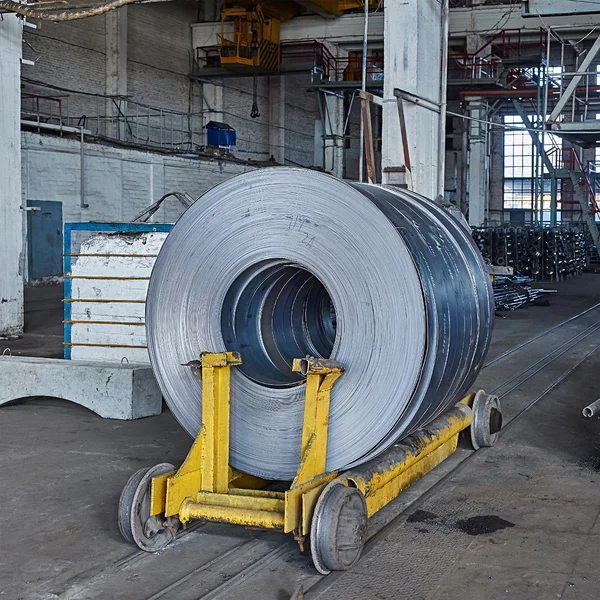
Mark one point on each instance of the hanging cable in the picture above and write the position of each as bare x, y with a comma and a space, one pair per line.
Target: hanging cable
255, 112
65, 15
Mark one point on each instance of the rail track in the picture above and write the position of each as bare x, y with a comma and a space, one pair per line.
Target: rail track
258, 555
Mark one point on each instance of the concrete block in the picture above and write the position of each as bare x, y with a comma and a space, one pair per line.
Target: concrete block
112, 391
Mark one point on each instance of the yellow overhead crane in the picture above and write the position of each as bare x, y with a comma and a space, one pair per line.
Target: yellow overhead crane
253, 42
331, 507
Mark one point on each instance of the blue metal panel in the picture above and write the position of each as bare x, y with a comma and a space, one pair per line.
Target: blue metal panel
220, 138
68, 250
44, 238
67, 290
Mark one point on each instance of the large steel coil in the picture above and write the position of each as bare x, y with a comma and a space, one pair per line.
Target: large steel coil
283, 263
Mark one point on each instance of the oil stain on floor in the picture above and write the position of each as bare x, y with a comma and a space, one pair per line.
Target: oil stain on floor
479, 525
483, 524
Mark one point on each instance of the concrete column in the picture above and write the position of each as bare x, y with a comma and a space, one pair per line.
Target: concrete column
496, 172
212, 103
413, 56
11, 217
473, 42
478, 164
334, 123
116, 66
334, 134
277, 118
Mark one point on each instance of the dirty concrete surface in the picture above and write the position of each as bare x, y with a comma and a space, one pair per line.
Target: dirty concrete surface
519, 520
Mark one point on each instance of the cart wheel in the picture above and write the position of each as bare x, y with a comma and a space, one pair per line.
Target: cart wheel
151, 534
487, 420
338, 529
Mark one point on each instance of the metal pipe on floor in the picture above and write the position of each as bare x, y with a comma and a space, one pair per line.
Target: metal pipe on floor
592, 409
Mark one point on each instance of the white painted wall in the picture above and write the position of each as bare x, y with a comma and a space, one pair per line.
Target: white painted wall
11, 217
119, 182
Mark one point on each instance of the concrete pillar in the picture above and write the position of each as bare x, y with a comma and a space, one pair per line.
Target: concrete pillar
11, 217
473, 42
412, 62
334, 134
277, 118
333, 108
116, 67
478, 164
212, 103
496, 182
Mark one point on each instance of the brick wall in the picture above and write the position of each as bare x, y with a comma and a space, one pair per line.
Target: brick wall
159, 53
252, 134
72, 55
119, 183
301, 112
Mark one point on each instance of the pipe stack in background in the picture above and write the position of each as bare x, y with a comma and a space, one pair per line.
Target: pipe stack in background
534, 251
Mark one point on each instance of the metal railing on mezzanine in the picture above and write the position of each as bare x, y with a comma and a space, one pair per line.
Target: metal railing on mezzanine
113, 118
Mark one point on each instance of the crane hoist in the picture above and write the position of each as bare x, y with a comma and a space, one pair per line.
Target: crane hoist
253, 43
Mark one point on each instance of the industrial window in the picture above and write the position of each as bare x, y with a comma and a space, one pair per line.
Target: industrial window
519, 168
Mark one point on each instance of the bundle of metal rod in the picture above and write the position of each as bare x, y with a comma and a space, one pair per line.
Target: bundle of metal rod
282, 263
539, 252
512, 292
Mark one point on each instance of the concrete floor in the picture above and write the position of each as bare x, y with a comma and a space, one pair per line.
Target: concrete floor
519, 520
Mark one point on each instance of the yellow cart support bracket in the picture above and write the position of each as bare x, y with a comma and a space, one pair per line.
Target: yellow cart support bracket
156, 501
205, 487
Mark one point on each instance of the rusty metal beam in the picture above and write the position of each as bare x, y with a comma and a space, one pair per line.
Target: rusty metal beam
369, 151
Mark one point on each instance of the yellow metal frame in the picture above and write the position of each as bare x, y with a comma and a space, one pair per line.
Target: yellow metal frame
206, 487
254, 42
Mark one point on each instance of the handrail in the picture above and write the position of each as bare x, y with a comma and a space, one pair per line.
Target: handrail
591, 193
38, 97
334, 68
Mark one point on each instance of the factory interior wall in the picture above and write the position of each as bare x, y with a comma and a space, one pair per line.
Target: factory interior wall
301, 113
252, 133
73, 56
159, 42
149, 64
119, 182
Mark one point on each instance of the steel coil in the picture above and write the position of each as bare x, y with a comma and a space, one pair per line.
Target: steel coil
281, 263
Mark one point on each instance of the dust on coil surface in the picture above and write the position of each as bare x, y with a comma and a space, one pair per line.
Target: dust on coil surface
334, 231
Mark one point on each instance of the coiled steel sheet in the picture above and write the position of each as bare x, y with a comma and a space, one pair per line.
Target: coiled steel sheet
281, 263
